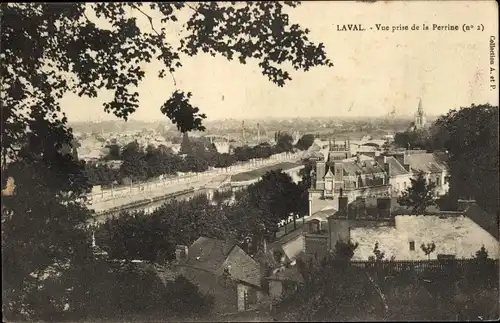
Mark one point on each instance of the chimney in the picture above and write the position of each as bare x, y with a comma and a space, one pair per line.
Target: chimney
343, 200
387, 167
361, 207
339, 171
181, 252
405, 158
384, 207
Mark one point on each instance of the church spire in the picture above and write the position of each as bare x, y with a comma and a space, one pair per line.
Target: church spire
419, 117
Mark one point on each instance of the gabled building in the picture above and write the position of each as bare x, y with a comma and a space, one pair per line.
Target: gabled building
223, 270
433, 165
343, 174
368, 221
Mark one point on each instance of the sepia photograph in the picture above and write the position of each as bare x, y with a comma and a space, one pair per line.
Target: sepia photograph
250, 161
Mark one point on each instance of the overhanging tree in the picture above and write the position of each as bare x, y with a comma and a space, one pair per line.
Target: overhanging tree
49, 50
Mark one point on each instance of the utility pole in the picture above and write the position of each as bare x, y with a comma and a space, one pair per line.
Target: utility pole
258, 132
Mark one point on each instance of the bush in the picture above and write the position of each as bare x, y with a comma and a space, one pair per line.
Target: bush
185, 298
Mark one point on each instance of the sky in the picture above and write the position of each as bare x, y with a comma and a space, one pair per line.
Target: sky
374, 72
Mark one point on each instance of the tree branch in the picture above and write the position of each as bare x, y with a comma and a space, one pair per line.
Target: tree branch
150, 19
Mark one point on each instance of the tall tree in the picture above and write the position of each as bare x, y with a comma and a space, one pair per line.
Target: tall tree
470, 135
50, 50
43, 223
114, 152
134, 164
305, 142
419, 196
273, 195
186, 146
284, 142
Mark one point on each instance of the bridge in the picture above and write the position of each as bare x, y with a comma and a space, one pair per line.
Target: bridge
140, 194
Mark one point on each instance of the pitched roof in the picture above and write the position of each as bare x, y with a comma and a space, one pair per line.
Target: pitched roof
456, 235
426, 162
362, 157
208, 254
396, 167
365, 167
370, 203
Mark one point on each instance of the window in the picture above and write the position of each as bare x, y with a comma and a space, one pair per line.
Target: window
412, 245
438, 182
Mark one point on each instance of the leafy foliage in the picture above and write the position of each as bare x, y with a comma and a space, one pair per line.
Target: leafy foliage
154, 237
277, 196
51, 57
482, 254
50, 50
428, 248
332, 291
418, 139
470, 136
284, 142
466, 293
43, 222
379, 255
305, 142
182, 113
111, 289
248, 220
419, 195
187, 299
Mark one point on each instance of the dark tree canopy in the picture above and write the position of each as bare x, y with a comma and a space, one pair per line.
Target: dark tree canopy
470, 135
49, 50
305, 142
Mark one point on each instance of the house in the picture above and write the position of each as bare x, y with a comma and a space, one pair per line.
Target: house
399, 176
382, 220
487, 221
284, 280
278, 271
223, 270
433, 165
400, 236
343, 174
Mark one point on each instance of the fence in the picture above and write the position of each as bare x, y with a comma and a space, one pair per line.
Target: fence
427, 266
